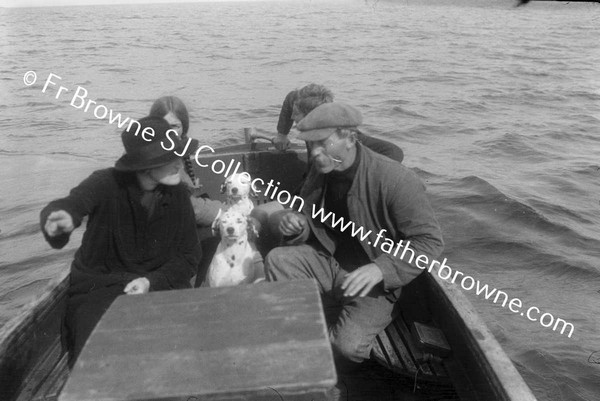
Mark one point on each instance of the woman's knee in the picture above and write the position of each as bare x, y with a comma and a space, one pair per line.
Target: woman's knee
83, 314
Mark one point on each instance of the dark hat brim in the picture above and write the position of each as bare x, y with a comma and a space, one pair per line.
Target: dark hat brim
137, 162
129, 163
149, 150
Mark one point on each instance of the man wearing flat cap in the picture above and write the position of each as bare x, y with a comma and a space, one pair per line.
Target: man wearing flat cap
298, 103
353, 195
140, 235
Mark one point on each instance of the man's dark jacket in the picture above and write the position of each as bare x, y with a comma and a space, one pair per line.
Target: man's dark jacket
384, 195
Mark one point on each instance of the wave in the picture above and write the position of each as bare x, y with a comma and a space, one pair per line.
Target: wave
480, 193
395, 102
423, 133
115, 69
592, 170
501, 225
512, 145
586, 95
403, 112
425, 175
34, 263
38, 104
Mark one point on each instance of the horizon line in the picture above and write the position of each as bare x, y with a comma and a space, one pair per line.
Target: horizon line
80, 3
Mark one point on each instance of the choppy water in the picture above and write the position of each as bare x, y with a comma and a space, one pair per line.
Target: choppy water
498, 108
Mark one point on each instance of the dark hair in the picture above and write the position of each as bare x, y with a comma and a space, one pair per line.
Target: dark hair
161, 107
311, 96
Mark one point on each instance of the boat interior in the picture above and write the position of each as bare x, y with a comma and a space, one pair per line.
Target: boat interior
437, 349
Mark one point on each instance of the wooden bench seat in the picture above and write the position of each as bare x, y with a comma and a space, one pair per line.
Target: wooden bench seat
265, 341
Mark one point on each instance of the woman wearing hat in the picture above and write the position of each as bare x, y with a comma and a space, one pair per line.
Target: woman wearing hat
172, 109
140, 235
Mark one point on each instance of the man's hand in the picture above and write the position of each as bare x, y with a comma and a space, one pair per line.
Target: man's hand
292, 224
140, 285
281, 142
59, 222
362, 280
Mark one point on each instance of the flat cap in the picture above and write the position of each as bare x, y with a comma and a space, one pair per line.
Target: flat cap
319, 123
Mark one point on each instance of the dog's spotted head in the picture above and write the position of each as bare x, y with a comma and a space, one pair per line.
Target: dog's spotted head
232, 225
237, 186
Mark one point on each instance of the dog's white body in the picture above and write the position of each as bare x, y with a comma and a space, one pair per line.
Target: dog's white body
236, 261
237, 188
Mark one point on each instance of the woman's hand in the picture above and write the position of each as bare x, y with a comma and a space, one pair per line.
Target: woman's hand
58, 222
140, 285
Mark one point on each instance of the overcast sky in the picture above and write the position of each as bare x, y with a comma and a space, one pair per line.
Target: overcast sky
39, 3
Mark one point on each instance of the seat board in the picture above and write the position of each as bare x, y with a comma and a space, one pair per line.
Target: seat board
208, 343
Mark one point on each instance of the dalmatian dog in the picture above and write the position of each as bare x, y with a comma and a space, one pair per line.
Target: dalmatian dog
236, 260
238, 189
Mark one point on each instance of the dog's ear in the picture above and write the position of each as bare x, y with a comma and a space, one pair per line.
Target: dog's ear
224, 186
252, 193
214, 227
253, 227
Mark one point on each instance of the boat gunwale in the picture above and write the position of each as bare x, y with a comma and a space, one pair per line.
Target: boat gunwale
56, 288
33, 373
499, 369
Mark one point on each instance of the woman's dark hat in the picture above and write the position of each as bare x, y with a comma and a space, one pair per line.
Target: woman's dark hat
148, 145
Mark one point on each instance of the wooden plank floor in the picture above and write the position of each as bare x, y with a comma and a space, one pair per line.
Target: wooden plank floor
373, 382
403, 360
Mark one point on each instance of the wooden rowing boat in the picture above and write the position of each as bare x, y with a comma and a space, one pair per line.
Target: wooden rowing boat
464, 363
